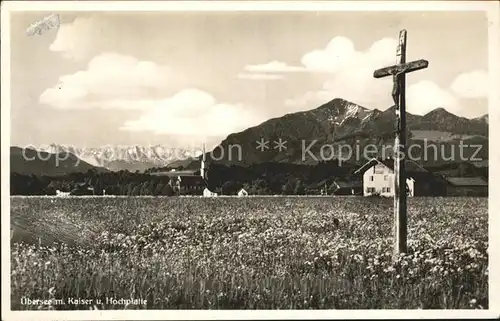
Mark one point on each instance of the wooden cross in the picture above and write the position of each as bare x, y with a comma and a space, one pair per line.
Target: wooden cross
398, 72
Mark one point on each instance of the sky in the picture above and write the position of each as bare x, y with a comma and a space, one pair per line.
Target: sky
182, 78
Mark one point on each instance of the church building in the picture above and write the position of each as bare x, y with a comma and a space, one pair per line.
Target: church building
187, 182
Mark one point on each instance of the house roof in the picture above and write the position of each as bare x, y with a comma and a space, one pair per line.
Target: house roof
242, 191
192, 179
207, 192
348, 184
467, 181
410, 165
322, 183
176, 173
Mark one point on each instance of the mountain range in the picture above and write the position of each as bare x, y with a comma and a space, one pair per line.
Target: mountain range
34, 162
307, 137
131, 158
327, 133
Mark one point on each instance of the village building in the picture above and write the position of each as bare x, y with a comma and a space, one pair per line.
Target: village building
467, 186
242, 193
208, 193
336, 186
83, 189
324, 187
461, 169
61, 193
348, 187
187, 182
378, 179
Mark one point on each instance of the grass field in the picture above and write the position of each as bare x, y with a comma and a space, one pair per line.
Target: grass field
247, 253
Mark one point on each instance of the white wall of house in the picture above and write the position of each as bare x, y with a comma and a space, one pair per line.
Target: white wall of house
208, 193
379, 179
242, 193
411, 184
59, 193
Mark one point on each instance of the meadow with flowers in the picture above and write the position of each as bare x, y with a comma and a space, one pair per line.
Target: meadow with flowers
247, 253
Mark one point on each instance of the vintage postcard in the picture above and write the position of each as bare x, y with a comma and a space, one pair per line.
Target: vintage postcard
222, 160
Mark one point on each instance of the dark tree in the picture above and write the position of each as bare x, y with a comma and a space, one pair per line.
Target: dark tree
299, 188
168, 190
288, 188
159, 189
229, 188
136, 191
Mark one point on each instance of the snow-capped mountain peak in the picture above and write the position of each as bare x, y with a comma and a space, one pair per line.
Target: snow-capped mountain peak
131, 157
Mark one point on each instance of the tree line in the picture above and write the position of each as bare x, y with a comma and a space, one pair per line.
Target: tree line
258, 179
91, 183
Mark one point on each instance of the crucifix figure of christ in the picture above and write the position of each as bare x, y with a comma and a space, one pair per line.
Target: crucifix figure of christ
398, 73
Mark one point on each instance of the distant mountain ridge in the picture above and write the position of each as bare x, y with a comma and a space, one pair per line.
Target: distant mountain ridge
324, 129
131, 158
33, 162
340, 122
484, 118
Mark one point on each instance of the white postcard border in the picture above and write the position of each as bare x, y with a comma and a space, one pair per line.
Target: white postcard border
492, 9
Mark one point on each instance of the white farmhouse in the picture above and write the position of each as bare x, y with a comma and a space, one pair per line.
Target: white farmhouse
378, 178
208, 193
242, 193
62, 194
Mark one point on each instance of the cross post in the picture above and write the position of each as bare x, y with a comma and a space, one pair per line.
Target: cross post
398, 72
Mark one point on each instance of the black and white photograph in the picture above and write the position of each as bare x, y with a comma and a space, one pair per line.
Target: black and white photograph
292, 158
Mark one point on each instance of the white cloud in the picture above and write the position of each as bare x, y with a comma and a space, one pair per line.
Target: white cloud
273, 66
113, 81
350, 72
350, 76
194, 112
259, 76
77, 39
472, 84
425, 96
110, 81
310, 97
337, 53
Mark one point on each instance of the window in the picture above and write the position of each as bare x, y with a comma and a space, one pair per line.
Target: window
370, 189
371, 178
386, 189
386, 177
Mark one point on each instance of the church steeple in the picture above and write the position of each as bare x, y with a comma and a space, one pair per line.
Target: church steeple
202, 166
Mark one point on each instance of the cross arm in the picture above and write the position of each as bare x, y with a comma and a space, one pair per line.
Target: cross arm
401, 68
